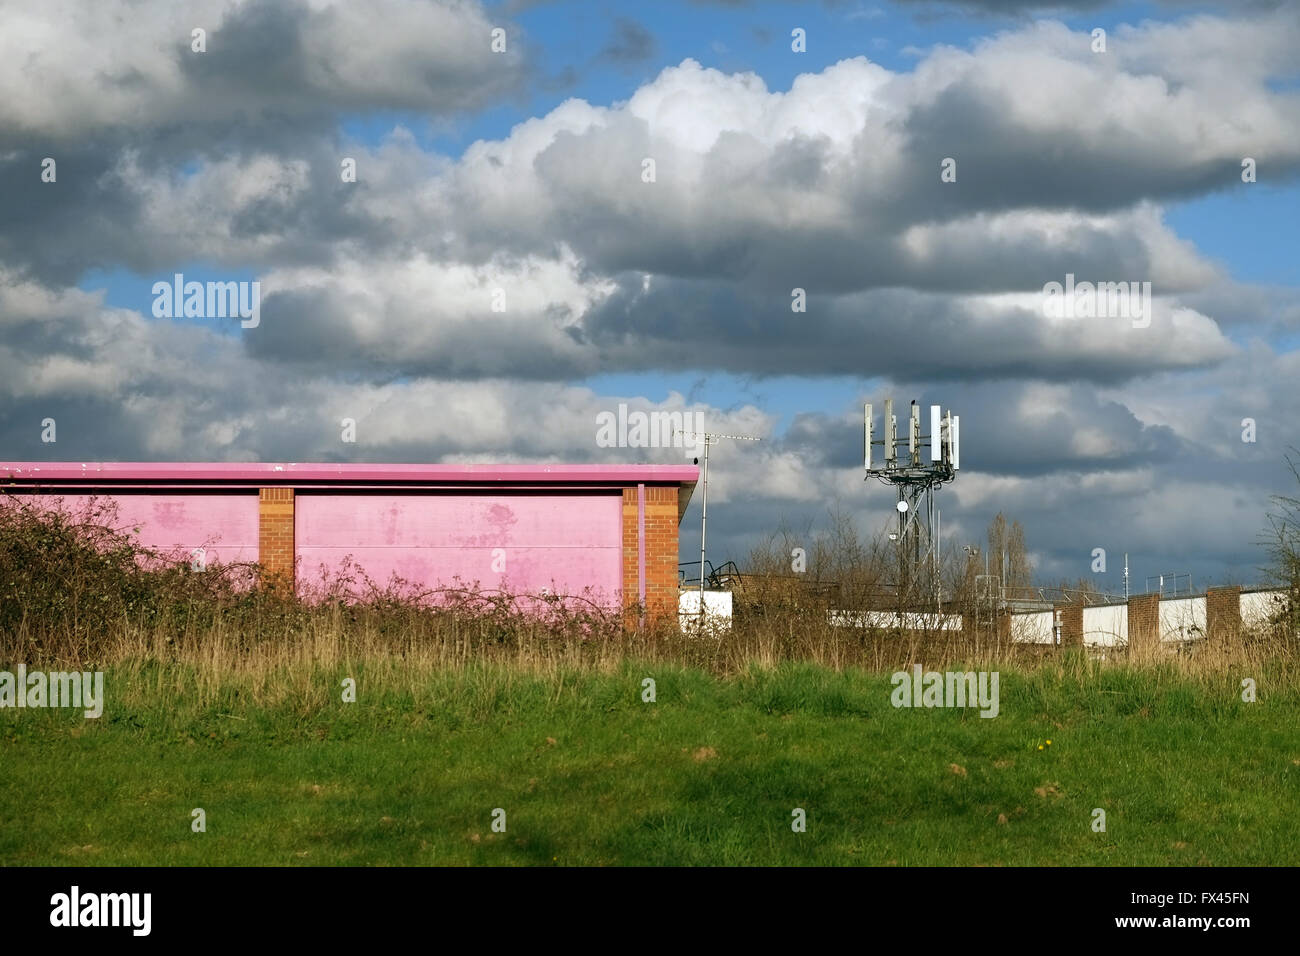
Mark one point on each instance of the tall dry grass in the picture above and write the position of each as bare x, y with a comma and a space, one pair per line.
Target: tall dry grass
77, 591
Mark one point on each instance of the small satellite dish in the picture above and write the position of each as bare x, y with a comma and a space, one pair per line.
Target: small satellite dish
902, 506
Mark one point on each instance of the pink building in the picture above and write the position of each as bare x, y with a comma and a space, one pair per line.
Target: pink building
609, 532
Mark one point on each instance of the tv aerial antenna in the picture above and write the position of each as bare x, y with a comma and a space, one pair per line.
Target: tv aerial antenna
916, 477
710, 438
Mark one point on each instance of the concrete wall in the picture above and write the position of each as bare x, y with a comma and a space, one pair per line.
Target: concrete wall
1102, 626
1105, 625
910, 621
1174, 620
1257, 607
1182, 619
1036, 627
717, 611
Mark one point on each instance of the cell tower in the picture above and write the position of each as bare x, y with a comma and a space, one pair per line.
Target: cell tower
916, 477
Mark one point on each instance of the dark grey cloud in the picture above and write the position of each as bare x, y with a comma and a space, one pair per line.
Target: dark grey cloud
631, 43
839, 210
635, 329
132, 65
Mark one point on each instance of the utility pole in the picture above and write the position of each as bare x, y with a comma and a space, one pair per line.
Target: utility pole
710, 438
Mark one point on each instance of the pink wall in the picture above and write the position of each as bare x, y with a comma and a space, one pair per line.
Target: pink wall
224, 525
561, 526
565, 542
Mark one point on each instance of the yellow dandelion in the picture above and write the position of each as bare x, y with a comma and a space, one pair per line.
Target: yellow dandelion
1040, 746
1049, 743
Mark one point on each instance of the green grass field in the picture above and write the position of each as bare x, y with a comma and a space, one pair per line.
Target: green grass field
709, 774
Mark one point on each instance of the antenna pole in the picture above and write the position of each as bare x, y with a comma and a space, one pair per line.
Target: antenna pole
704, 517
709, 439
934, 550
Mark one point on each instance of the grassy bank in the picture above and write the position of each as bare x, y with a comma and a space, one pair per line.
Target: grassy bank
709, 773
224, 692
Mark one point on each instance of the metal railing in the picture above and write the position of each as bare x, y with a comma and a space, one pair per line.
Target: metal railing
718, 578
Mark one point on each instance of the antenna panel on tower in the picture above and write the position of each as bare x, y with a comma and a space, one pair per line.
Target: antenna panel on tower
913, 433
891, 431
866, 418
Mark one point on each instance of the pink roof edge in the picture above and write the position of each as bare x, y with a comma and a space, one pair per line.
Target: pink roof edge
288, 472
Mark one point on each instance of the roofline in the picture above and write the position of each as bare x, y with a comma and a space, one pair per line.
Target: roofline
282, 473
307, 475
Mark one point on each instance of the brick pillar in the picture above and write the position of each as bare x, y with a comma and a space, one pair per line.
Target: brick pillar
973, 629
1143, 623
631, 554
660, 550
1071, 624
275, 541
968, 620
1003, 622
1223, 614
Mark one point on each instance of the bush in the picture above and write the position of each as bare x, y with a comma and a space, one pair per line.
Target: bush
74, 585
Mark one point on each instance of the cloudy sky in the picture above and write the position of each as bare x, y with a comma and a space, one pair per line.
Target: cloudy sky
501, 272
